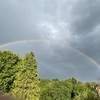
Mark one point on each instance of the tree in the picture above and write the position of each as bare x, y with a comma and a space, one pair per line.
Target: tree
9, 63
86, 95
55, 90
26, 83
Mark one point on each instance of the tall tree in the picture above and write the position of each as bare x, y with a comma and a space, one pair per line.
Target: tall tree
26, 83
8, 67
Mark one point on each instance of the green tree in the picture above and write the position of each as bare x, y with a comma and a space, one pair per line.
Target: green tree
56, 90
86, 95
26, 83
9, 63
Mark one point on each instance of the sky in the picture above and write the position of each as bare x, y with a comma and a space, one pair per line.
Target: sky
70, 29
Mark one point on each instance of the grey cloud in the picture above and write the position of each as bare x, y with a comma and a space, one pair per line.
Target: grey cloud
17, 21
62, 23
86, 16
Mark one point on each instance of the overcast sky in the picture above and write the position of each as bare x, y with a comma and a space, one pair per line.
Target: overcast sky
68, 25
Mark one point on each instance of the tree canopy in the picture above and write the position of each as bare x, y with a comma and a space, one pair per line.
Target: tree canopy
19, 79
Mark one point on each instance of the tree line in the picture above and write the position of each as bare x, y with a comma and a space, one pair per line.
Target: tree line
19, 80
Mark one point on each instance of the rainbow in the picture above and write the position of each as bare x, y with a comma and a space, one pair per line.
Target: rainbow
42, 40
86, 56
20, 41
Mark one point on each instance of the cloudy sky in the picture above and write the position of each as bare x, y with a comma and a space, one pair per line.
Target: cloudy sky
69, 28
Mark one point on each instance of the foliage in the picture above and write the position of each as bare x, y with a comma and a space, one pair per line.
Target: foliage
19, 78
26, 83
55, 90
8, 67
69, 89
